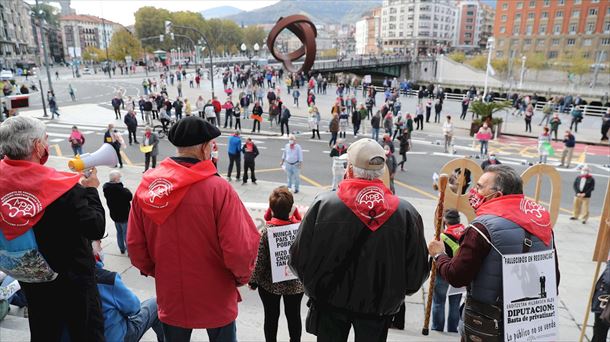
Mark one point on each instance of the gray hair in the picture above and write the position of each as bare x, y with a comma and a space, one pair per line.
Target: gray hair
115, 176
18, 135
506, 179
367, 174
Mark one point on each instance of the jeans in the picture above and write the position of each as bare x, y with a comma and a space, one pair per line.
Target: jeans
234, 159
78, 150
228, 333
292, 310
146, 318
333, 138
375, 134
484, 147
293, 172
438, 307
121, 235
335, 327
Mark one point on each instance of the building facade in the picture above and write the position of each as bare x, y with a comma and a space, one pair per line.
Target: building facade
368, 33
17, 44
418, 25
81, 31
553, 28
474, 25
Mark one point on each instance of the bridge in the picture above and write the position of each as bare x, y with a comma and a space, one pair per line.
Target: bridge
391, 66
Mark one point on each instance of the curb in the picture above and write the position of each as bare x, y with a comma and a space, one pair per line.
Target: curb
598, 143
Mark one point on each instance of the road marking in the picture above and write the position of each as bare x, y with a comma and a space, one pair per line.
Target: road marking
56, 140
59, 135
311, 181
421, 153
126, 159
447, 155
583, 156
419, 191
515, 160
69, 126
57, 150
269, 170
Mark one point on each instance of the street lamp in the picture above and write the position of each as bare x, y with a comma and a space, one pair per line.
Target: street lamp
490, 46
523, 59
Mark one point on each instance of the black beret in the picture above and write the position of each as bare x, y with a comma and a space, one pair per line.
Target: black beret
452, 216
191, 131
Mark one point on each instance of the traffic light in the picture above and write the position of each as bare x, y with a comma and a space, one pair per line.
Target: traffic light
168, 27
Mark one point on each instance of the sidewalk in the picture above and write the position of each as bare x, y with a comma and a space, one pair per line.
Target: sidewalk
571, 238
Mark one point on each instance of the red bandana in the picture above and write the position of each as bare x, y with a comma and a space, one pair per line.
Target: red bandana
455, 230
26, 189
162, 188
528, 214
370, 201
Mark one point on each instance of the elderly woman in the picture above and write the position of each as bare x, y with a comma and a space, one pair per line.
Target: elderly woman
150, 139
281, 204
61, 287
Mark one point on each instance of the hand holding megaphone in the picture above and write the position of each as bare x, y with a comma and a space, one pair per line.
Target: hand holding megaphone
104, 156
89, 178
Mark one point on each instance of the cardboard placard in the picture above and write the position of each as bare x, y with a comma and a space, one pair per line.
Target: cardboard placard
280, 239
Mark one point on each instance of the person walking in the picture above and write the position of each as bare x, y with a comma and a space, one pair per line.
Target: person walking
333, 128
54, 235
583, 186
354, 239
428, 110
295, 96
465, 104
131, 121
199, 105
284, 119
404, 147
178, 105
257, 116
569, 142
577, 116
112, 137
554, 123
234, 151
72, 92
451, 236
150, 139
250, 152
605, 125
338, 164
375, 125
438, 108
52, 105
343, 122
364, 116
483, 136
147, 110
314, 122
529, 114
419, 116
356, 119
118, 199
116, 106
547, 110
189, 227
281, 203
448, 134
501, 227
292, 162
77, 140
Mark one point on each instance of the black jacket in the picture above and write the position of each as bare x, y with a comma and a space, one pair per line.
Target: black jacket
392, 263
375, 121
589, 186
64, 235
118, 199
131, 122
249, 156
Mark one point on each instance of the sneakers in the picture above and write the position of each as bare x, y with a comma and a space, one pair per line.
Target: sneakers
584, 221
296, 191
229, 179
573, 218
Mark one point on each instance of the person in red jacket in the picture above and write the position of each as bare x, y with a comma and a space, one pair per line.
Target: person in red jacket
217, 108
189, 230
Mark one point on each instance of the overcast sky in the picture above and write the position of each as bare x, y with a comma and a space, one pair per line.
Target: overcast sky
121, 11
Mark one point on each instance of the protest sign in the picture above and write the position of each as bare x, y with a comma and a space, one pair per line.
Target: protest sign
280, 239
530, 297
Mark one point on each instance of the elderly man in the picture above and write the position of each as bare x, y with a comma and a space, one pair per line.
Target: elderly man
189, 230
53, 233
359, 251
118, 199
501, 227
292, 161
150, 139
584, 185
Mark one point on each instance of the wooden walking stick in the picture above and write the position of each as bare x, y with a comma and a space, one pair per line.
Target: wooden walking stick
438, 225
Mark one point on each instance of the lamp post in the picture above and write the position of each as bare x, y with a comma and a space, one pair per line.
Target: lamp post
523, 59
106, 47
44, 49
490, 46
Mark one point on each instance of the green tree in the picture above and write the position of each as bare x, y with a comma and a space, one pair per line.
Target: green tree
536, 61
500, 65
457, 56
579, 65
48, 13
93, 54
478, 62
123, 44
253, 35
150, 22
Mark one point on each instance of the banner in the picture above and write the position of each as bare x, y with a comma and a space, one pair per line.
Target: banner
280, 239
530, 297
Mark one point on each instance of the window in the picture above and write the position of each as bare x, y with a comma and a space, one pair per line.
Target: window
499, 54
530, 15
470, 20
528, 30
571, 42
557, 29
607, 27
532, 3
504, 17
518, 16
516, 30
590, 28
576, 2
519, 5
468, 27
505, 6
553, 54
575, 13
542, 29
502, 29
595, 1
592, 11
559, 14
547, 3
605, 41
544, 15
471, 13
540, 42
572, 29
555, 42
560, 2
587, 42
527, 42
500, 42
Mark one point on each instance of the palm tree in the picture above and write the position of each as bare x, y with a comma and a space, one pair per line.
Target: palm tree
485, 111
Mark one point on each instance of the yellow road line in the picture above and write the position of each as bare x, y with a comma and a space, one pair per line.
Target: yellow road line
311, 181
583, 156
269, 170
57, 150
126, 159
419, 191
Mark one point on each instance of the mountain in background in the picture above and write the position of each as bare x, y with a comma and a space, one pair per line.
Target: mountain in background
220, 12
319, 11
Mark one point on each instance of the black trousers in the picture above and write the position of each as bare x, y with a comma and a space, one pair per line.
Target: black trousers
419, 120
335, 327
117, 149
314, 132
238, 123
254, 124
117, 112
147, 157
528, 125
428, 112
292, 310
234, 159
464, 111
132, 134
600, 330
282, 124
229, 119
333, 139
249, 165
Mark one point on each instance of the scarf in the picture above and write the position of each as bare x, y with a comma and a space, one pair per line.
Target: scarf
455, 230
369, 200
26, 190
527, 214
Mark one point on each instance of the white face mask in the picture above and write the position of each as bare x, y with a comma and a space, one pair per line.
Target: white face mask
292, 142
584, 172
